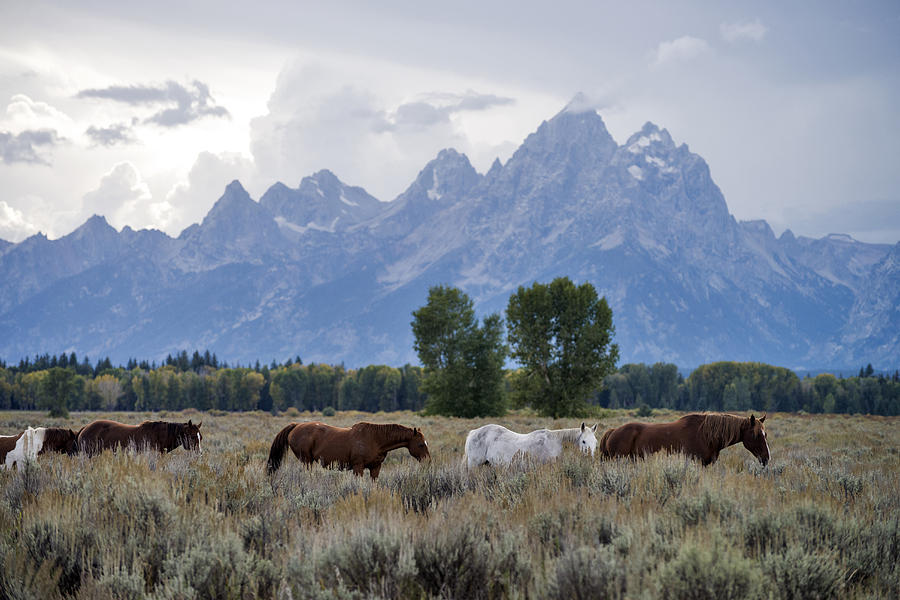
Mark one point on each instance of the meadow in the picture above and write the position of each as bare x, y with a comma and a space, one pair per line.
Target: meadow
822, 520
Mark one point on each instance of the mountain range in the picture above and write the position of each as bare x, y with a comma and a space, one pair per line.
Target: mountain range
328, 272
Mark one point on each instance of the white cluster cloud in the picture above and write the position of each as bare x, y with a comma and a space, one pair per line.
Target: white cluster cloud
748, 30
13, 223
124, 198
686, 47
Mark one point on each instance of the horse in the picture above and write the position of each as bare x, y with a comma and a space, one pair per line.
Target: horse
496, 445
15, 449
363, 446
159, 435
700, 435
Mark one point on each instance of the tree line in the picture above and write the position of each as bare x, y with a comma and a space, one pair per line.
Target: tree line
744, 386
313, 387
721, 386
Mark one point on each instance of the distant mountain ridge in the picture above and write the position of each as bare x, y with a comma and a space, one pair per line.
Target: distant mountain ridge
328, 272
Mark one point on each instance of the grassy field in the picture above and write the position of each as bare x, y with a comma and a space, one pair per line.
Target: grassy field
821, 521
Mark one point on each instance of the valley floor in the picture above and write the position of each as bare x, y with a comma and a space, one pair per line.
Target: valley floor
822, 520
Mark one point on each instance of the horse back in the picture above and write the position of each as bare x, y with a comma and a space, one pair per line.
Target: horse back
318, 441
103, 434
640, 439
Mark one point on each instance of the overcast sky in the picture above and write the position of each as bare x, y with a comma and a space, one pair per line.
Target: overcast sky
144, 113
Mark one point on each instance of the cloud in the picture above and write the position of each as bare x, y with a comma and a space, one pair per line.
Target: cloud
437, 108
110, 136
376, 132
684, 48
181, 104
751, 30
23, 109
24, 147
14, 226
124, 198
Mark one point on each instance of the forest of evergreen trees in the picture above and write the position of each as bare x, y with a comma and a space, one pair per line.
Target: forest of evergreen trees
734, 386
201, 381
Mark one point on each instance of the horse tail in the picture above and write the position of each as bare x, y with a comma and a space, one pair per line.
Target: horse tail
276, 454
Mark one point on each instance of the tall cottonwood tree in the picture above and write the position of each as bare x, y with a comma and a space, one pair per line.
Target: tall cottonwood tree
561, 334
463, 362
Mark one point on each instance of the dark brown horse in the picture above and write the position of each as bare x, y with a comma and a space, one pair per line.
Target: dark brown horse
363, 446
701, 436
36, 441
159, 435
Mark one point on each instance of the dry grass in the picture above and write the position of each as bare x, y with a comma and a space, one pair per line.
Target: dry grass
822, 520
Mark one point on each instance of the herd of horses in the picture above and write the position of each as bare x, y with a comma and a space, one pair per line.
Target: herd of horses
96, 437
701, 436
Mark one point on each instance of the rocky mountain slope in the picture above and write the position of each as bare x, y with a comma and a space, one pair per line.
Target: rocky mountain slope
328, 272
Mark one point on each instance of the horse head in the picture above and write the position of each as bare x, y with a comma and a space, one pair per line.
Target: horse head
417, 446
190, 436
69, 444
587, 440
754, 438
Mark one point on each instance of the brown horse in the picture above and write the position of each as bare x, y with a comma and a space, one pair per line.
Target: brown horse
159, 435
35, 441
700, 436
363, 446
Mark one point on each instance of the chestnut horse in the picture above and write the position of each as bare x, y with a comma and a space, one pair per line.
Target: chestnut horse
159, 435
363, 446
33, 442
701, 436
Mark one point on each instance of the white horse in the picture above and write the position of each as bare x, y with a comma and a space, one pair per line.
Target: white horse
16, 449
497, 445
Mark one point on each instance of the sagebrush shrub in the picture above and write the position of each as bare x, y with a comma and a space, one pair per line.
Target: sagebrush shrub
589, 572
709, 572
798, 575
374, 560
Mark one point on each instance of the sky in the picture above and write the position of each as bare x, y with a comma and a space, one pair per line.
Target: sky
143, 113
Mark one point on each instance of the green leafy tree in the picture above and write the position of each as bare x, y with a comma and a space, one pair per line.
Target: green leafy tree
57, 386
463, 362
561, 334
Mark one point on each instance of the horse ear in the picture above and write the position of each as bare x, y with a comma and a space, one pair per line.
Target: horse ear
763, 418
594, 428
752, 419
582, 426
199, 424
189, 423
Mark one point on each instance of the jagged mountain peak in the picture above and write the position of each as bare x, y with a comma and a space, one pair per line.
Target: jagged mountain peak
650, 137
323, 182
322, 202
447, 176
234, 201
96, 225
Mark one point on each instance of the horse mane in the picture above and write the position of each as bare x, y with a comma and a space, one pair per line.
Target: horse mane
566, 435
167, 428
720, 429
390, 432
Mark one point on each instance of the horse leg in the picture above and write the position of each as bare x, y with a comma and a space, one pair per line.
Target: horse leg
359, 469
374, 470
